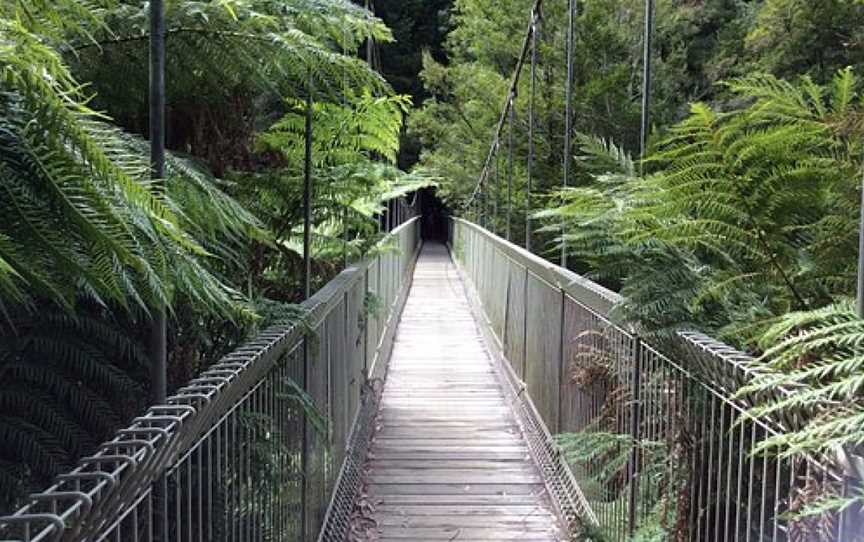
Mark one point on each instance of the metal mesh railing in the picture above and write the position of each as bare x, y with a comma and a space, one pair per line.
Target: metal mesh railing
659, 444
234, 455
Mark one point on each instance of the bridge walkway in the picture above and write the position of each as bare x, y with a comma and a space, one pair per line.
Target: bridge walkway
448, 460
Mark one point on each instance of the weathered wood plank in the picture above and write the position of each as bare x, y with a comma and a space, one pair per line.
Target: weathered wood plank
462, 533
448, 461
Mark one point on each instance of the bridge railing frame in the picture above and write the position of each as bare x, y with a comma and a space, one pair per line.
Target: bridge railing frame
677, 401
232, 455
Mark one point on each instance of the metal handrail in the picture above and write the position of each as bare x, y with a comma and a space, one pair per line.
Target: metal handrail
586, 375
151, 462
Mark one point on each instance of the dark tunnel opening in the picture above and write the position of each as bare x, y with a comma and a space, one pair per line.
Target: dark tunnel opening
434, 216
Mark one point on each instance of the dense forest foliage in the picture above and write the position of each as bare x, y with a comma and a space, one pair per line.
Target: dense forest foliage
89, 245
741, 221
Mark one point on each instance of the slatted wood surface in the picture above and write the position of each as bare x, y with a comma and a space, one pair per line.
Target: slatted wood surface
448, 461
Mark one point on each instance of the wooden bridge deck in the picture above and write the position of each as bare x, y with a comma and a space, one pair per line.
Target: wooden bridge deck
448, 461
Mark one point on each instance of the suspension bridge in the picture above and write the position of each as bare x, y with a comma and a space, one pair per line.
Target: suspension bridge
420, 399
432, 417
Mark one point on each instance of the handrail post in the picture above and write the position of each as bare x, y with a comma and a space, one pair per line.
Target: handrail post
635, 408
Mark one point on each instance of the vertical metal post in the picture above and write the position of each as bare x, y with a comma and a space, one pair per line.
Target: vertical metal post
370, 43
510, 142
481, 200
535, 30
646, 78
635, 407
860, 299
388, 218
568, 111
158, 338
497, 203
307, 198
345, 236
307, 293
345, 105
159, 325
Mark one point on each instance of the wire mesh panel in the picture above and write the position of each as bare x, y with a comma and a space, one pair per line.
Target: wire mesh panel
658, 443
543, 347
255, 446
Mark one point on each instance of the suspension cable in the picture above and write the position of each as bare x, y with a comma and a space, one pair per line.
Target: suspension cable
510, 142
509, 103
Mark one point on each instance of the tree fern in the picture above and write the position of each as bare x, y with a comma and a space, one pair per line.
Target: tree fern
71, 379
745, 215
216, 47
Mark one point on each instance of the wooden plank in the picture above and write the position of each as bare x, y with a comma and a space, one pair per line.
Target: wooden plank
448, 459
462, 509
462, 500
461, 533
498, 521
456, 489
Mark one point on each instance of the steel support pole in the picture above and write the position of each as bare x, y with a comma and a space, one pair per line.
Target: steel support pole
368, 5
307, 291
497, 202
158, 337
860, 299
307, 198
345, 258
159, 325
481, 201
568, 111
648, 32
388, 220
510, 143
535, 30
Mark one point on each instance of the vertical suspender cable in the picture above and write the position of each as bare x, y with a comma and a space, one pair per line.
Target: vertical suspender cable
648, 32
568, 111
535, 29
511, 122
159, 326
